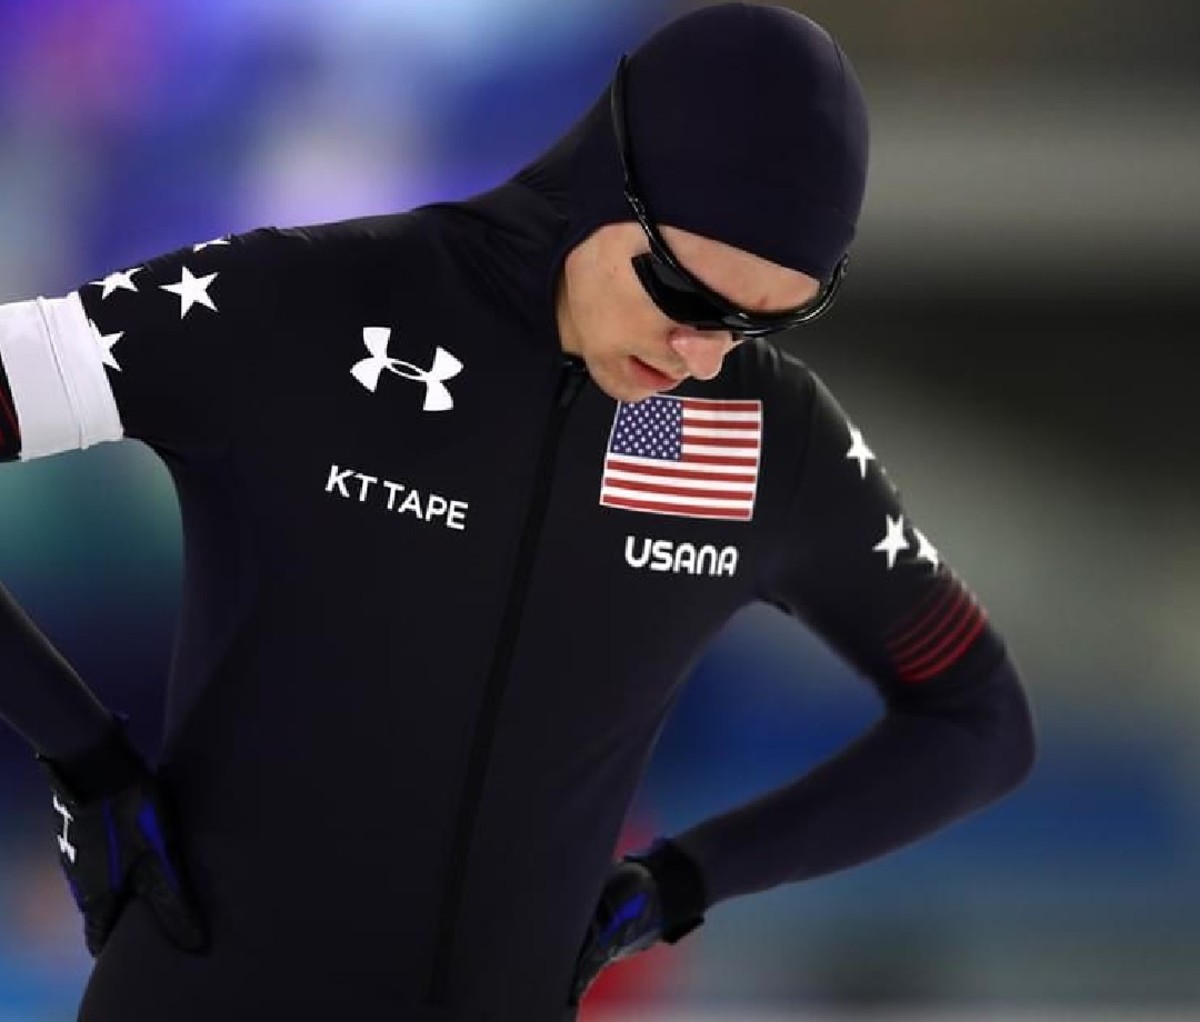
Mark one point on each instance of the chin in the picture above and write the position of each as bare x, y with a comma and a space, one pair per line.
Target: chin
625, 392
611, 383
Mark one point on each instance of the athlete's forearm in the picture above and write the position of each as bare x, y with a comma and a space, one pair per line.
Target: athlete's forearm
41, 696
907, 776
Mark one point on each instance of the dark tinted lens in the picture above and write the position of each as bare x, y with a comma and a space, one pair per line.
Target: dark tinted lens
679, 299
675, 296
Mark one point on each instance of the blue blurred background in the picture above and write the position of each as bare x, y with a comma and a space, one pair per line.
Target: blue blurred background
1017, 339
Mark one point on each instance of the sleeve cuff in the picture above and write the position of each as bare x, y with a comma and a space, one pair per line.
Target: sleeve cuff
680, 887
109, 766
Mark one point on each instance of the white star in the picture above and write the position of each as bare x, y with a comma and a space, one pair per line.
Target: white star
894, 541
106, 342
121, 280
859, 451
925, 549
191, 290
206, 244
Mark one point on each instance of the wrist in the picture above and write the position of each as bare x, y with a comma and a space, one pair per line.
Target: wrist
99, 771
680, 886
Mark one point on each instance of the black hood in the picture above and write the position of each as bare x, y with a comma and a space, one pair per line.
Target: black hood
747, 125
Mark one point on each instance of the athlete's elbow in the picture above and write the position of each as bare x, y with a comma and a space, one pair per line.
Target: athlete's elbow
1018, 758
1010, 747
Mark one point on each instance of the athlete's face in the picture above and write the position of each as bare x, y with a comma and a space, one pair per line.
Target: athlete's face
632, 349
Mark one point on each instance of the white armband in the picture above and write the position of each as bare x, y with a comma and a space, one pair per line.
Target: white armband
51, 355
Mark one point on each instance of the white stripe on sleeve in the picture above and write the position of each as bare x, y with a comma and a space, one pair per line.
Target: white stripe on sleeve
52, 358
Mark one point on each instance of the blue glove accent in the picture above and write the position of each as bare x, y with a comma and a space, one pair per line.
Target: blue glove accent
627, 913
114, 847
149, 825
680, 885
628, 919
653, 895
117, 842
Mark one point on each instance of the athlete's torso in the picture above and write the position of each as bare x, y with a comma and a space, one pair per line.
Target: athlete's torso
426, 644
440, 593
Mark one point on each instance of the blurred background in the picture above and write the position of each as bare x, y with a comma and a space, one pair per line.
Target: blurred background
1017, 339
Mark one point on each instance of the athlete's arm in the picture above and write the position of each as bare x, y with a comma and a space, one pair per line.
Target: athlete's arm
115, 358
144, 353
41, 696
956, 732
116, 833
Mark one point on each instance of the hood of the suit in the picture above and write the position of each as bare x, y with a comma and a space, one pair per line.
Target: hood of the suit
747, 125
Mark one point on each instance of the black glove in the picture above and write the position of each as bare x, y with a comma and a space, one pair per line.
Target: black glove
650, 896
116, 839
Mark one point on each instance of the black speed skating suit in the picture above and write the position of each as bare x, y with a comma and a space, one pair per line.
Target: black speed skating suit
440, 594
441, 591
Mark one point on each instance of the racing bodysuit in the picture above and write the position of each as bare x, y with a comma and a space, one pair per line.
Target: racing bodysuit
441, 592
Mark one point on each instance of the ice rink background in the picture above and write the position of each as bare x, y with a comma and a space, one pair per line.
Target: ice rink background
1017, 338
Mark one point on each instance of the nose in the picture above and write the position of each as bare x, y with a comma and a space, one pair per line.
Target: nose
702, 352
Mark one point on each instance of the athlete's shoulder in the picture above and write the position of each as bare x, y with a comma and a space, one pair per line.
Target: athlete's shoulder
351, 261
360, 241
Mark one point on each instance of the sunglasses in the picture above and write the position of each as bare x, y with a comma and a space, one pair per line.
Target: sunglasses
678, 294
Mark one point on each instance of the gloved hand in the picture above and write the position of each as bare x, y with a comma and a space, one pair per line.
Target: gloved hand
116, 840
650, 896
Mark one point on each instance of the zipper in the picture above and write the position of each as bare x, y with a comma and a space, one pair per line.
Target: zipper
571, 379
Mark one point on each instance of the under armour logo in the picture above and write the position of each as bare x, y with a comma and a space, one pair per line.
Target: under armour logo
445, 366
64, 845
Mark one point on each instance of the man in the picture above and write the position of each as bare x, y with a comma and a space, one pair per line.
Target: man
465, 492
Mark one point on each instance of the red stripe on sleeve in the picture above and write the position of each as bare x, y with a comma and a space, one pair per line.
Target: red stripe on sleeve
928, 605
948, 609
952, 656
8, 418
914, 663
936, 633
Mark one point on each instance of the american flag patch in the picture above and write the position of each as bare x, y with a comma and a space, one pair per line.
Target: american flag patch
684, 456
